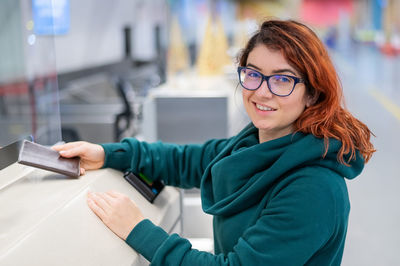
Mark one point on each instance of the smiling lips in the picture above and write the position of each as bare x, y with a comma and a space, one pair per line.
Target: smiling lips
264, 108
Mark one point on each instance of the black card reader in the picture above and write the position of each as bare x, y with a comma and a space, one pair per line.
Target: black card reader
149, 189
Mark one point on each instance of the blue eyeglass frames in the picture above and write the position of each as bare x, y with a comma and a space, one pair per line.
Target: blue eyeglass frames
280, 85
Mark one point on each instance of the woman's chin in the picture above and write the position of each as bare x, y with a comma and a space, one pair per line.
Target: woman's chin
262, 125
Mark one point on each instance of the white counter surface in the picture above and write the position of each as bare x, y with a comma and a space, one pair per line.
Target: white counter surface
44, 218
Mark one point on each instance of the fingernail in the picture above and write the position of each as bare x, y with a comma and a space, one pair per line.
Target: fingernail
62, 152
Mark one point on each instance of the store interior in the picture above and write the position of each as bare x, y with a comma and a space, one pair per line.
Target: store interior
165, 70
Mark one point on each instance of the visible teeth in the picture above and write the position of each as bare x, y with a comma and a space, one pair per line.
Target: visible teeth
264, 108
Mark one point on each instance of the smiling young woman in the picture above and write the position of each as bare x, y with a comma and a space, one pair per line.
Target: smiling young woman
277, 189
273, 115
306, 54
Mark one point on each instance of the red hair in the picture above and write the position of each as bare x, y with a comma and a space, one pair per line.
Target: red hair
326, 117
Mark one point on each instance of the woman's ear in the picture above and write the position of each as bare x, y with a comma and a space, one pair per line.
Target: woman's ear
308, 101
311, 100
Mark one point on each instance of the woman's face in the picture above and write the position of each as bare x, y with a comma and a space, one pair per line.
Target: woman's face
273, 115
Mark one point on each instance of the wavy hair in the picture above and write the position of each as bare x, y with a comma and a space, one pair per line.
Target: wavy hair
326, 117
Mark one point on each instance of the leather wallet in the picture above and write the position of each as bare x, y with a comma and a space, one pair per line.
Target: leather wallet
42, 157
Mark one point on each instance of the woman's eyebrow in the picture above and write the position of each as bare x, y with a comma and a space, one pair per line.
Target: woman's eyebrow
276, 71
253, 66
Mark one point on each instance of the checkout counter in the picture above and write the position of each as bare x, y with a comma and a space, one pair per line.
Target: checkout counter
45, 219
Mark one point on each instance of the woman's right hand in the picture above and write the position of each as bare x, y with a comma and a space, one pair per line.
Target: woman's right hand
92, 155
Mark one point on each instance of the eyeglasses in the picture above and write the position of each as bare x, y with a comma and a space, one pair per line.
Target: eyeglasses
280, 85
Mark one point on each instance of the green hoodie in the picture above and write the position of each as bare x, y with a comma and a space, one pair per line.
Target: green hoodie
274, 203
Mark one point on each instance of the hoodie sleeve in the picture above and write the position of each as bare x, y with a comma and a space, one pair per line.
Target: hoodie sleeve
298, 222
176, 165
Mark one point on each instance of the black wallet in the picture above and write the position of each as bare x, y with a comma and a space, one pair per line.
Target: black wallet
42, 157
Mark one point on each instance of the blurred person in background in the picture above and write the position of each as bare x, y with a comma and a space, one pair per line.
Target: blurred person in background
277, 189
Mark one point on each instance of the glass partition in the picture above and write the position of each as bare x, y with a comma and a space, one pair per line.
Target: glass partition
29, 104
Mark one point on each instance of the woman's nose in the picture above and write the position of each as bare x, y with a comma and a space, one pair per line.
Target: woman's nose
263, 90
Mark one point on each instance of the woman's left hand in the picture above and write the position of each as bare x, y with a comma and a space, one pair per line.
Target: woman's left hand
116, 210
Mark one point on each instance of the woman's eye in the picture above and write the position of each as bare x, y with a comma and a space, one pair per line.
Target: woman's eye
253, 74
282, 79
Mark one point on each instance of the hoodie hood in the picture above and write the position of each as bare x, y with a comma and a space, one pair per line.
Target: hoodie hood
245, 170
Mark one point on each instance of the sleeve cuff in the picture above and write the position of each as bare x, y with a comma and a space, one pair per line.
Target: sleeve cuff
146, 238
117, 155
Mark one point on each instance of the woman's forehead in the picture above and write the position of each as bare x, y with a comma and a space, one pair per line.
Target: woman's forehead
268, 60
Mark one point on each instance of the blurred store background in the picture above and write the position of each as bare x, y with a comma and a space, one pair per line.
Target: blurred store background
166, 70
